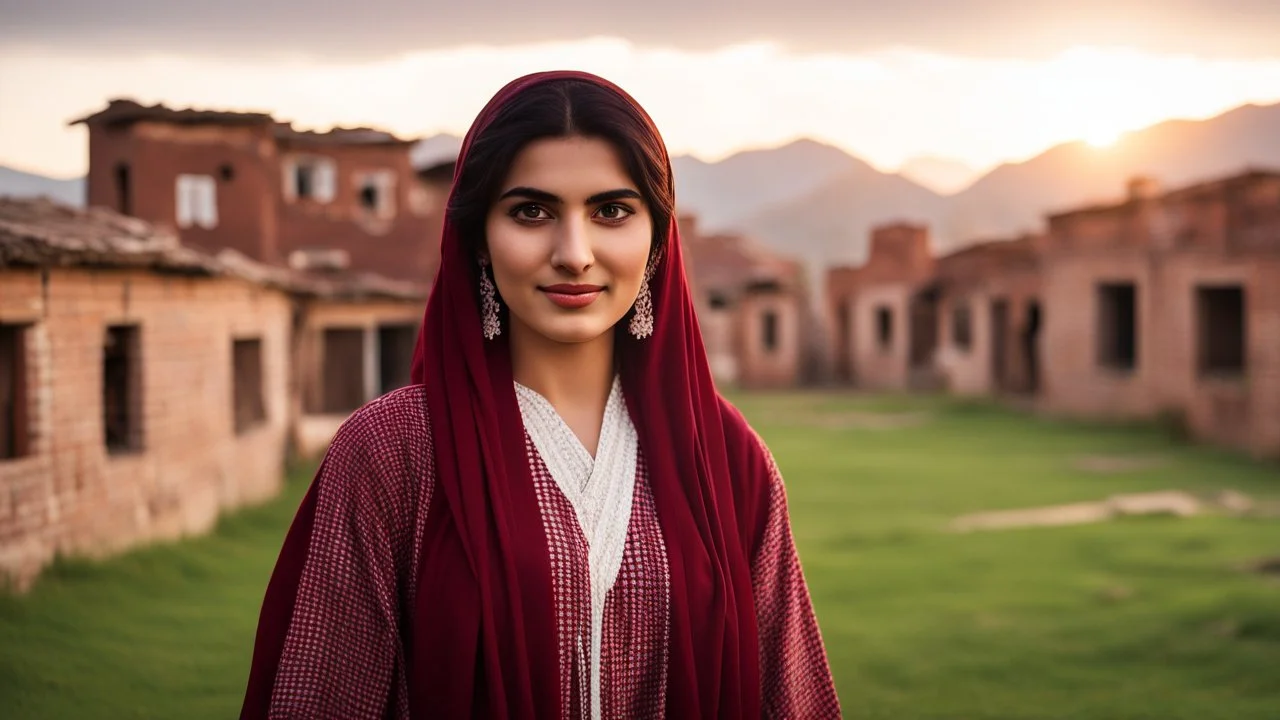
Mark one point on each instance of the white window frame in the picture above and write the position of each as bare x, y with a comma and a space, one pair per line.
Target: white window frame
324, 178
197, 201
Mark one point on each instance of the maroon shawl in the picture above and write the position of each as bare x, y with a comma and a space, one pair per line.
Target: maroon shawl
481, 637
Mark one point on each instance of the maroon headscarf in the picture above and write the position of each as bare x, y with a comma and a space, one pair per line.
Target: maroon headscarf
484, 472
481, 638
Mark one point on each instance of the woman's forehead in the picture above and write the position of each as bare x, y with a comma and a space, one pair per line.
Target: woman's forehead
572, 168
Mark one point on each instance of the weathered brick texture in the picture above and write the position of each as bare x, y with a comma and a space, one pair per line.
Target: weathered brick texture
69, 495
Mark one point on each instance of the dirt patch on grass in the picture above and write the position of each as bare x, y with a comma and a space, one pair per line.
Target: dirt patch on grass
1169, 502
1173, 503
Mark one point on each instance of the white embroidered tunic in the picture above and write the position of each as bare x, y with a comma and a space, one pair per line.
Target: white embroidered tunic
599, 489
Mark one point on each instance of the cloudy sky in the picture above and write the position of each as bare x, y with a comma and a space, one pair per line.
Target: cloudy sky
979, 81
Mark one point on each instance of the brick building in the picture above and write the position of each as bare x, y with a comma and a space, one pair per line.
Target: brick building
751, 309
246, 181
1162, 303
990, 317
145, 386
881, 315
348, 352
1170, 303
435, 180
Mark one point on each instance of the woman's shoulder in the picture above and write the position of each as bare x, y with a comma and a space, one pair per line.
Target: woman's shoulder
381, 450
397, 421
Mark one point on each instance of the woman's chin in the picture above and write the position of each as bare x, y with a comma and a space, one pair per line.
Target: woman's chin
573, 330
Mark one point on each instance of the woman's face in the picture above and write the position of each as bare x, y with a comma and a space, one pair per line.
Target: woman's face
568, 239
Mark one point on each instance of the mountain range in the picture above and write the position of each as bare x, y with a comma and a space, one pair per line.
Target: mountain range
18, 183
831, 223
818, 203
939, 174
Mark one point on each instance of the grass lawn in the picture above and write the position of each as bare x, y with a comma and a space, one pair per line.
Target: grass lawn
1139, 618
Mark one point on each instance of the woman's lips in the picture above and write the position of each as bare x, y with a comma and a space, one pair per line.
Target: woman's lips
572, 296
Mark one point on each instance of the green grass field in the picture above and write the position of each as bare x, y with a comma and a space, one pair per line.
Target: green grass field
1138, 618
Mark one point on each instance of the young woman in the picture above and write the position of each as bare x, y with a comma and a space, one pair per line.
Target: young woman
561, 517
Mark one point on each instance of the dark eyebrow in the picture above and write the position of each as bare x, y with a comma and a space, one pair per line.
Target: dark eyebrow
611, 195
543, 196
529, 193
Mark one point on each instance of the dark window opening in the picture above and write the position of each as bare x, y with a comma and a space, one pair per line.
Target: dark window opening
395, 356
769, 330
14, 423
1118, 326
962, 327
1220, 315
343, 372
1031, 346
304, 180
884, 327
1000, 331
250, 408
844, 341
122, 390
226, 172
124, 189
369, 196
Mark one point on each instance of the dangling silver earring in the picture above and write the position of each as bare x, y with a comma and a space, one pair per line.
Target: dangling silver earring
642, 321
488, 304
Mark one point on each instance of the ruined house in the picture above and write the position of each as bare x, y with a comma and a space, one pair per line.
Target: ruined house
341, 204
1160, 304
1169, 302
882, 316
146, 386
246, 181
751, 308
989, 317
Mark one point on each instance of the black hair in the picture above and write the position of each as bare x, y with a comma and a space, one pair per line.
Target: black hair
562, 108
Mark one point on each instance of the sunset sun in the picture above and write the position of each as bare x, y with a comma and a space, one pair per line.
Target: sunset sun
1102, 137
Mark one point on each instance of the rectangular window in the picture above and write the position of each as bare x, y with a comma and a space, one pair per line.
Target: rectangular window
770, 330
395, 356
311, 177
1118, 326
14, 420
1220, 320
122, 389
343, 371
249, 404
124, 189
376, 193
197, 197
884, 327
962, 327
304, 180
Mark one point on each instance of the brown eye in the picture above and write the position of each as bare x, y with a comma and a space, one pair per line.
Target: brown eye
615, 212
528, 213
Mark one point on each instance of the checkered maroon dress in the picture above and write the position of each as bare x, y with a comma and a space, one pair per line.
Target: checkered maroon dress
344, 657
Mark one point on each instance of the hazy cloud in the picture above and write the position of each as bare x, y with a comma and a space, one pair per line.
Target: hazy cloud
371, 28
